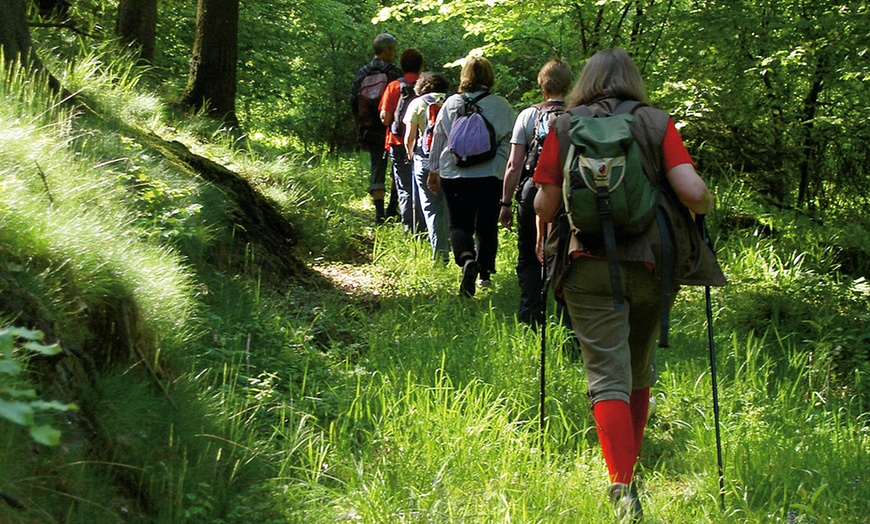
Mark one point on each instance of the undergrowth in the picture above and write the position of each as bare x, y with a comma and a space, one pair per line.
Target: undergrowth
225, 396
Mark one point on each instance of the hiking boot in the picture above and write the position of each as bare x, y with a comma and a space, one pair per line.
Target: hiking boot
469, 275
484, 280
626, 505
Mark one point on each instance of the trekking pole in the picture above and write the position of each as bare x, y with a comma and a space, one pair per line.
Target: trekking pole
543, 328
705, 235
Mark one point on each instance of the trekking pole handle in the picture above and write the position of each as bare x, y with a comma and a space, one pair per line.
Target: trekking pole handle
705, 233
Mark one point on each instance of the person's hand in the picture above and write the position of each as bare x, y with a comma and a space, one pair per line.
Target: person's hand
433, 182
506, 217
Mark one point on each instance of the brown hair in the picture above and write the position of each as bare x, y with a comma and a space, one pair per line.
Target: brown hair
431, 82
411, 60
477, 74
608, 73
555, 77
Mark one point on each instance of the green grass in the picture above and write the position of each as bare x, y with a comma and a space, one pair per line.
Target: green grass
391, 399
442, 426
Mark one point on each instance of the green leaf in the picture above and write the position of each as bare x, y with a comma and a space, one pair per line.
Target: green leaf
17, 412
53, 349
12, 392
10, 367
45, 435
55, 405
27, 334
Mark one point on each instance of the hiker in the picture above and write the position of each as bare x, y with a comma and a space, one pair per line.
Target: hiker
397, 97
472, 186
531, 127
370, 130
431, 89
618, 343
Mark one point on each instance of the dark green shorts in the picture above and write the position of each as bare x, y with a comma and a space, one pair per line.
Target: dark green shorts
618, 346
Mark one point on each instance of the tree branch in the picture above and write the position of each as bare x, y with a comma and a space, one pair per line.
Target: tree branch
63, 25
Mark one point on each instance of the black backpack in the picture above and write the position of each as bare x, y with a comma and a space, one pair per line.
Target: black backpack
406, 95
547, 114
369, 96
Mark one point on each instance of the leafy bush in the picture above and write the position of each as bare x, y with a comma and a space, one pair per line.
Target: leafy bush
23, 406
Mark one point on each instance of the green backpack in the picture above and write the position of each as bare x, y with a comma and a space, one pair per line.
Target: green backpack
604, 184
605, 190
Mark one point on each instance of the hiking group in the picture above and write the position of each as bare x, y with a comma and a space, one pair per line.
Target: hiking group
606, 197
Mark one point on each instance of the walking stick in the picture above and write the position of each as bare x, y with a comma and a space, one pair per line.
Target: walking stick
543, 328
705, 235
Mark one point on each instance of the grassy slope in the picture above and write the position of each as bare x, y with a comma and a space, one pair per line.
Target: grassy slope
388, 399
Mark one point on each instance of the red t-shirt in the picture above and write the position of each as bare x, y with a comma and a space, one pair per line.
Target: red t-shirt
549, 169
389, 102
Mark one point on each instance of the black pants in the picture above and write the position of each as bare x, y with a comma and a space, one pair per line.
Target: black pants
528, 265
472, 205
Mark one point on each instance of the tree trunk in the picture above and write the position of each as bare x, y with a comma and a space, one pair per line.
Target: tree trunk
137, 24
14, 31
212, 78
808, 143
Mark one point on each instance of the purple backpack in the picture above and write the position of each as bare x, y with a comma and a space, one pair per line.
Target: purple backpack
472, 137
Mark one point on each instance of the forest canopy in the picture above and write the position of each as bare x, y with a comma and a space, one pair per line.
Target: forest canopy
774, 89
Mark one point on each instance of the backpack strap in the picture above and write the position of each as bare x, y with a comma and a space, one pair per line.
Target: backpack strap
471, 101
605, 215
629, 107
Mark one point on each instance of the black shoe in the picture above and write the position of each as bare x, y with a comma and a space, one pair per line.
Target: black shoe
625, 502
469, 275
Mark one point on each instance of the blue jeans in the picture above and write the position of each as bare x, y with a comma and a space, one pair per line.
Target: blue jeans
377, 166
409, 202
434, 209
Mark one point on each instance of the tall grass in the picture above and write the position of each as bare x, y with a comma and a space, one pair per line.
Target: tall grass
442, 427
391, 399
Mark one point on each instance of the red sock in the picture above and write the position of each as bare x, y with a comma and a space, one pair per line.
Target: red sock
615, 431
639, 409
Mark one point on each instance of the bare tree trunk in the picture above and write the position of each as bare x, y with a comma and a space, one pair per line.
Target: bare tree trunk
137, 24
212, 78
14, 31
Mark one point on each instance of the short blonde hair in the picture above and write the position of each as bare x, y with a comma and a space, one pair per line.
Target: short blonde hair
608, 73
555, 77
477, 74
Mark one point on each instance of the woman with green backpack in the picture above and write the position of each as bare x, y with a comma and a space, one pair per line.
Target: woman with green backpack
617, 337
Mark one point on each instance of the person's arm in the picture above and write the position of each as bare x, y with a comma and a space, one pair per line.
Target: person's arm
389, 101
690, 188
410, 137
681, 175
548, 201
512, 173
386, 118
548, 179
543, 229
439, 139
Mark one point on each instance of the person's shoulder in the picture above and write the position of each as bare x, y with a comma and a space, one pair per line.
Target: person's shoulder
417, 104
529, 112
505, 105
652, 116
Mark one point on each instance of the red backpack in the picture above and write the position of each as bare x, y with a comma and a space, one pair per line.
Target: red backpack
433, 105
